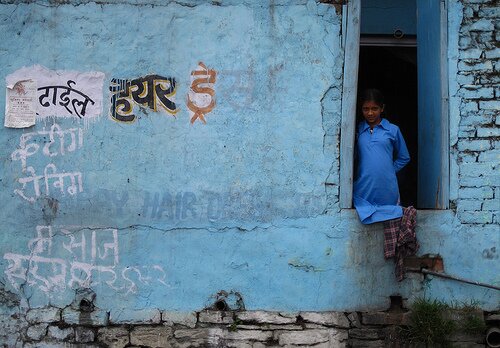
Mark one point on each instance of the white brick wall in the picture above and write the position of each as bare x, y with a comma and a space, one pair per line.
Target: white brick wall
478, 155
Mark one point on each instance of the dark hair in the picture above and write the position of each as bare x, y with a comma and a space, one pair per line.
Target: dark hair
373, 95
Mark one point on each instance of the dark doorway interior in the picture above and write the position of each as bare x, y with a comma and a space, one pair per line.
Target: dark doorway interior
393, 70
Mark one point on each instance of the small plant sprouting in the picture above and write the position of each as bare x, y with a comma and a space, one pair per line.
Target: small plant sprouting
429, 324
433, 321
471, 321
234, 325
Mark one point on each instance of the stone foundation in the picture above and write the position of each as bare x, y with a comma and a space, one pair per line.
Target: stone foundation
53, 327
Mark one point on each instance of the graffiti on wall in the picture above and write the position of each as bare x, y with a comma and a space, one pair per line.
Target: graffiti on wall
157, 93
73, 100
238, 89
56, 142
73, 257
60, 141
50, 179
201, 95
176, 206
62, 93
153, 92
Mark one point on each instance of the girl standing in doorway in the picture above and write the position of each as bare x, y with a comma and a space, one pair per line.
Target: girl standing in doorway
381, 153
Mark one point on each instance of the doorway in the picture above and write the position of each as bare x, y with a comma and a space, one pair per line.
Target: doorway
393, 71
382, 37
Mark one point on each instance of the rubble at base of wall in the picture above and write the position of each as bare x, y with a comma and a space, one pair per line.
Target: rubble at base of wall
46, 327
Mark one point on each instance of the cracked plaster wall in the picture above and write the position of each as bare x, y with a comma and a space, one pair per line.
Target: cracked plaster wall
246, 203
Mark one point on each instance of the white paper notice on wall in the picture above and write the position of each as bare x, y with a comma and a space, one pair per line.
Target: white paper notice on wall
62, 93
20, 104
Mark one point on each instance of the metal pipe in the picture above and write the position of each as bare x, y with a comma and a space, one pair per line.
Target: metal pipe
493, 337
447, 276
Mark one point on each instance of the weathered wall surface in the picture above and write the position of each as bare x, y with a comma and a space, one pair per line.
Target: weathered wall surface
166, 211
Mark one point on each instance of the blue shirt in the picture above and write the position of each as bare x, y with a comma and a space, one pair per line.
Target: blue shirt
381, 154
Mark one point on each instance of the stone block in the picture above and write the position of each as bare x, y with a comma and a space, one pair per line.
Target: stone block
264, 327
480, 25
484, 132
469, 157
188, 319
266, 317
490, 156
470, 106
61, 334
235, 326
354, 319
468, 12
208, 337
492, 54
473, 92
43, 315
314, 326
281, 327
465, 42
473, 53
248, 335
113, 337
466, 79
310, 337
151, 336
489, 79
477, 169
52, 344
485, 180
488, 12
483, 39
473, 145
37, 332
475, 119
191, 344
468, 204
475, 193
476, 217
259, 345
196, 334
95, 318
471, 65
326, 345
84, 334
237, 344
469, 132
130, 316
489, 105
337, 319
215, 317
491, 205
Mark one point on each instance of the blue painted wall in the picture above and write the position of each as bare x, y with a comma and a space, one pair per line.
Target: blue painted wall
236, 204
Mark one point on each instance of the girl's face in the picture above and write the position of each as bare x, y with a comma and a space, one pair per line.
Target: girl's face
371, 112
